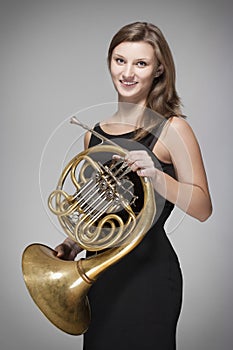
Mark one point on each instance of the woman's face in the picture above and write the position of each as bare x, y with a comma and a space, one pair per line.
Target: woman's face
132, 70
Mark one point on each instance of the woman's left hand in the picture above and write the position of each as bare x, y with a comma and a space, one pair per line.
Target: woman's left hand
141, 163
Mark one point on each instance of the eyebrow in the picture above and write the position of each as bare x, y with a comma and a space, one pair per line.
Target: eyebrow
137, 59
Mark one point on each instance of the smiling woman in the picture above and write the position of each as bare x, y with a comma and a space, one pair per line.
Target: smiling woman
132, 70
162, 96
136, 303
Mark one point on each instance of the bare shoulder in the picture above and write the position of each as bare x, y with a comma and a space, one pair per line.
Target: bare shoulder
179, 124
178, 128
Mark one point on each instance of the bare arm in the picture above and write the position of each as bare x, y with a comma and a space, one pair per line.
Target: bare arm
189, 191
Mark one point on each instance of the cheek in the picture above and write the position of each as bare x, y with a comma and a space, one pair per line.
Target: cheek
148, 77
114, 70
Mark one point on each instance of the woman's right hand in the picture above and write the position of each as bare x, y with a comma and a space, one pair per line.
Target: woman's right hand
68, 249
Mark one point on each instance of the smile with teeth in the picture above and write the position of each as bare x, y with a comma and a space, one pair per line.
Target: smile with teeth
128, 83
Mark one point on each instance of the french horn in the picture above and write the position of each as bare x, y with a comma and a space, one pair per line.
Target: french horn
99, 215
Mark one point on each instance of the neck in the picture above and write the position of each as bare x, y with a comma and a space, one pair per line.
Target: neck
130, 113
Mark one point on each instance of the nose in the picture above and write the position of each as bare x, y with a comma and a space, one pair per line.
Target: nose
128, 72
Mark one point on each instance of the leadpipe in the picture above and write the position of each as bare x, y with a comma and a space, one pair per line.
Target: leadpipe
74, 120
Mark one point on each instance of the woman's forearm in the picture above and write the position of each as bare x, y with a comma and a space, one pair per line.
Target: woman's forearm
188, 197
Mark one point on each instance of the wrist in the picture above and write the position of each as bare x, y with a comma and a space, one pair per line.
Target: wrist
159, 183
155, 177
72, 245
69, 242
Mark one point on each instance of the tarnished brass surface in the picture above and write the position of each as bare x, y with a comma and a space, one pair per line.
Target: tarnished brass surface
57, 288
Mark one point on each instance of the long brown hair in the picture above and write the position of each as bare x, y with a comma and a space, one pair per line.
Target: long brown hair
162, 97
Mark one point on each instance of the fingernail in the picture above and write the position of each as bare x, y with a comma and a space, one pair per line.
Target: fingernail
116, 156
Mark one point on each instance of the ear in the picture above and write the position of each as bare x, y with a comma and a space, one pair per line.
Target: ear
159, 71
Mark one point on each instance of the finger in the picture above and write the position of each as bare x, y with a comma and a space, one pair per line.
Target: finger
118, 157
138, 160
72, 255
134, 155
149, 172
141, 172
135, 166
140, 164
60, 251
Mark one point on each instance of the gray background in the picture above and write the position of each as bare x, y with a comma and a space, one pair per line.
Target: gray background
53, 64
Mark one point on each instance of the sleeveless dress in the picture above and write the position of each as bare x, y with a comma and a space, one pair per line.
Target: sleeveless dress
136, 303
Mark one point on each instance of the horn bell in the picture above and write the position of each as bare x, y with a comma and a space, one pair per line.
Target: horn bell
57, 288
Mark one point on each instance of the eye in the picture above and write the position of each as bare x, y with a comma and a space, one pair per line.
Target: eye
120, 60
141, 64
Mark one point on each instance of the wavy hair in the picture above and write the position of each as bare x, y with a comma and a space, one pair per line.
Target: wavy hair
163, 97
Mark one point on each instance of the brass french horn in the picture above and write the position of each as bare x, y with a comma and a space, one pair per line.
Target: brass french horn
91, 217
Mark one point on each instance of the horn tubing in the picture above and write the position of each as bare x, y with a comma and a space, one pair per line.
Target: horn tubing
74, 120
94, 266
59, 288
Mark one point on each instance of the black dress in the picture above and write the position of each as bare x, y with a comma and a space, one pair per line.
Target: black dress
135, 304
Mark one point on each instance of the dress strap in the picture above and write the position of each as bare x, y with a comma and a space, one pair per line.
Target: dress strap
156, 134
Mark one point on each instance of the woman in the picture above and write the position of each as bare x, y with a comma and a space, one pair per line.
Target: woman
136, 303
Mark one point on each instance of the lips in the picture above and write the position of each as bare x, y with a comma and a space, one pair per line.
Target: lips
128, 83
